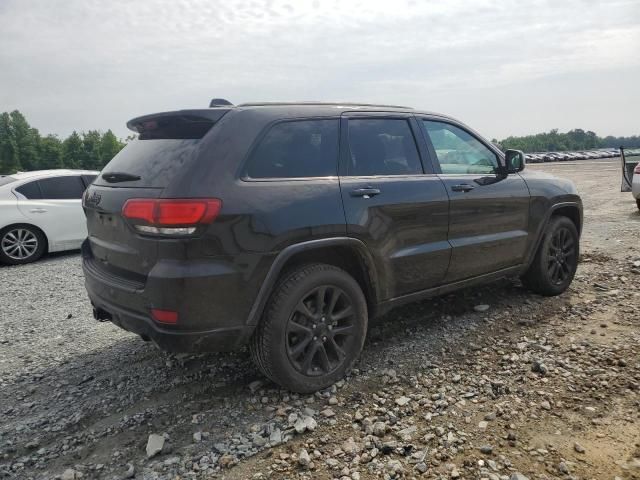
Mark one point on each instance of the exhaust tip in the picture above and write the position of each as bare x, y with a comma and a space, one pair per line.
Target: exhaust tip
102, 315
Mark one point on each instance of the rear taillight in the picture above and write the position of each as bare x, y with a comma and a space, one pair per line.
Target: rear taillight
164, 316
171, 216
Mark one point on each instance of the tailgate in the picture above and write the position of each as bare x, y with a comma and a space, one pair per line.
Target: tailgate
167, 145
115, 247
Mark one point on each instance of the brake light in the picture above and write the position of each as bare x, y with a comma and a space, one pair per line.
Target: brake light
171, 216
164, 316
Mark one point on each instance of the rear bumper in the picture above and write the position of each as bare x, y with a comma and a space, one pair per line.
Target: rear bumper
216, 340
209, 296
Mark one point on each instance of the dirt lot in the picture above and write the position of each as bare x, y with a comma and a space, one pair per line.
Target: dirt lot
529, 387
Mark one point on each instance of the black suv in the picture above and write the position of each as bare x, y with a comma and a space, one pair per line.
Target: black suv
287, 226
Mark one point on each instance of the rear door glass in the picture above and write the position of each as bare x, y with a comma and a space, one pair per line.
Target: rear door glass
61, 188
301, 148
382, 146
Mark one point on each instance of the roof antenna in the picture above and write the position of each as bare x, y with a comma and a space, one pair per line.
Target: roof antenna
219, 102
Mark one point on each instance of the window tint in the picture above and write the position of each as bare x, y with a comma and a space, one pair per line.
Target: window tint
156, 162
30, 190
88, 179
458, 151
382, 147
60, 188
305, 148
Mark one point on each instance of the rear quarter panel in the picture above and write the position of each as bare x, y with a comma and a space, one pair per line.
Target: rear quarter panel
258, 219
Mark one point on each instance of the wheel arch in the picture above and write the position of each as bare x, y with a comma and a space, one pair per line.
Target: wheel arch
571, 210
347, 253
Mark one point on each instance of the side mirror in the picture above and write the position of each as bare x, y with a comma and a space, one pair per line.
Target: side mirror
514, 160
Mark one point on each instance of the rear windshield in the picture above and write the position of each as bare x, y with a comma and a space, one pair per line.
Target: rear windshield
156, 162
6, 179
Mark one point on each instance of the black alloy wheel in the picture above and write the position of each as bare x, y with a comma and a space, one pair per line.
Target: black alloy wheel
556, 261
313, 328
561, 256
320, 330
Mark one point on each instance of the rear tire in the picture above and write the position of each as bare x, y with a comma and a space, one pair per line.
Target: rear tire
20, 244
556, 260
313, 328
638, 203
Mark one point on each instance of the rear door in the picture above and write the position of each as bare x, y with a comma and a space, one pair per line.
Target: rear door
489, 211
55, 204
394, 204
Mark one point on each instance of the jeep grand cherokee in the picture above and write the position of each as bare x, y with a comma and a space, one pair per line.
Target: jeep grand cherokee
288, 226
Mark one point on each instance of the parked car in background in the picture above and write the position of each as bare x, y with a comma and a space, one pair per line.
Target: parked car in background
41, 212
630, 158
635, 184
288, 226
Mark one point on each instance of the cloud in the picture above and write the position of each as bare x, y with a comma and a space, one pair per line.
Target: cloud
80, 64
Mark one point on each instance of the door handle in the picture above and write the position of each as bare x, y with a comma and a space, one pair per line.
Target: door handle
463, 187
37, 210
365, 192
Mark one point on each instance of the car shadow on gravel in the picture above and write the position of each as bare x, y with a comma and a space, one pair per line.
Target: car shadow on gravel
46, 259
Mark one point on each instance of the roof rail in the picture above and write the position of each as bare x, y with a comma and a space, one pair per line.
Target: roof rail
346, 104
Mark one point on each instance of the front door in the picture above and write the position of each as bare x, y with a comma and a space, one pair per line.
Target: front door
397, 207
489, 211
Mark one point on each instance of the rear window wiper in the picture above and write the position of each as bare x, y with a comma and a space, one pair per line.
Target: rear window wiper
115, 177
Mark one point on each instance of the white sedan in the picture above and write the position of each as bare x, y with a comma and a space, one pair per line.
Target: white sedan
41, 212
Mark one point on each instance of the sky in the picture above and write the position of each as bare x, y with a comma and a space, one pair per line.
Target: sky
508, 67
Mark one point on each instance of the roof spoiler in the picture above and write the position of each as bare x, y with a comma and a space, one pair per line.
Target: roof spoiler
220, 102
177, 124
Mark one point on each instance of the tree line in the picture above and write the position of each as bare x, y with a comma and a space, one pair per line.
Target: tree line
23, 148
573, 140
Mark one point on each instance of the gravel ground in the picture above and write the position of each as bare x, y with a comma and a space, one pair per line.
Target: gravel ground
491, 383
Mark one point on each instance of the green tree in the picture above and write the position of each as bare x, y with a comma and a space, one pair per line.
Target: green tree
109, 147
9, 158
51, 152
72, 151
91, 150
27, 140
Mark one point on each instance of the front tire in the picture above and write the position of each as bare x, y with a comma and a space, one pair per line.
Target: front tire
20, 244
556, 260
313, 328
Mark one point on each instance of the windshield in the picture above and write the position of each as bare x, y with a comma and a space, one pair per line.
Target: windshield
6, 179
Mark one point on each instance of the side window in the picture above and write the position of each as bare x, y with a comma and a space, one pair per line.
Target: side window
382, 147
30, 190
88, 179
458, 151
61, 188
302, 148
